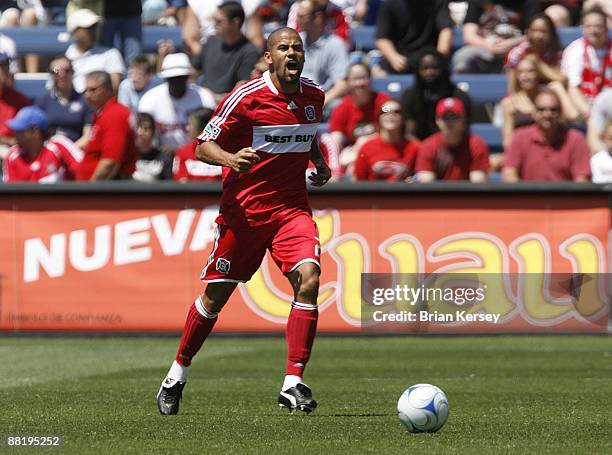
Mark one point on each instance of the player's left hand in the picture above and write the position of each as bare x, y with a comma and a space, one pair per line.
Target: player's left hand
321, 176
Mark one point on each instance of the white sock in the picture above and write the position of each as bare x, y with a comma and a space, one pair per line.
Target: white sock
178, 372
291, 381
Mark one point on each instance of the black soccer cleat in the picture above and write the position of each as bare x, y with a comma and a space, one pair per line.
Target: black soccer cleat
298, 397
169, 396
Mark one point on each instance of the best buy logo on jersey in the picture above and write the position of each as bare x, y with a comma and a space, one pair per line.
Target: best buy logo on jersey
285, 139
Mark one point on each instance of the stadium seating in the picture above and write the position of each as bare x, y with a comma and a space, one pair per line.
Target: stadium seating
32, 85
491, 134
364, 37
54, 40
482, 88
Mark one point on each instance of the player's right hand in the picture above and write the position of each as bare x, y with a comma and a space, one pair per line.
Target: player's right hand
244, 159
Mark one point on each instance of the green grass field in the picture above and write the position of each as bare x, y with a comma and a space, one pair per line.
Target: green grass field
507, 395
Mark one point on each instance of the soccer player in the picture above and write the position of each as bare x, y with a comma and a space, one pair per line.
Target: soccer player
263, 134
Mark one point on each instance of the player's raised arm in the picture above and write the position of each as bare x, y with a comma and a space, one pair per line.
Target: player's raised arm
323, 173
242, 161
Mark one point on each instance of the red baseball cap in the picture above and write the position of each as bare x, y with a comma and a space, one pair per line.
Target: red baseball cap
450, 106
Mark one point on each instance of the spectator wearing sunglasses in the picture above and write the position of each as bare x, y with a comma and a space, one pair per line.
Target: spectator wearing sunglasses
547, 150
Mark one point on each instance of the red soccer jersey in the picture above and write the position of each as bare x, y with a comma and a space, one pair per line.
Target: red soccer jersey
10, 102
380, 160
281, 127
452, 163
58, 160
347, 115
112, 137
187, 167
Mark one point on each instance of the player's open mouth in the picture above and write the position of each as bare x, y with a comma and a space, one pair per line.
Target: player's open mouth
292, 67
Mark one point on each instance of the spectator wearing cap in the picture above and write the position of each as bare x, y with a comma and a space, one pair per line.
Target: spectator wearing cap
547, 150
36, 158
86, 56
111, 151
453, 153
228, 57
171, 102
11, 100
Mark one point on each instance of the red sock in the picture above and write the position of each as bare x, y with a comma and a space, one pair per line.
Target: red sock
300, 333
196, 330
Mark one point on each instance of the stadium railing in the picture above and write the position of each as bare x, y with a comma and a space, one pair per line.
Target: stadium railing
52, 40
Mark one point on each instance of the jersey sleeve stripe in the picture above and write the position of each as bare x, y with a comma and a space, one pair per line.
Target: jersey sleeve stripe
69, 146
311, 83
231, 104
228, 107
238, 93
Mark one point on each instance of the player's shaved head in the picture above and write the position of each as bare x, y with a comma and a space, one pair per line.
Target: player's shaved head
277, 34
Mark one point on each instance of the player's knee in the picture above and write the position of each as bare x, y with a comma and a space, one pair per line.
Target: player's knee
309, 284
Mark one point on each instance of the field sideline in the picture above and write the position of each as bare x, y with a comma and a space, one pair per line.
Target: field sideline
507, 394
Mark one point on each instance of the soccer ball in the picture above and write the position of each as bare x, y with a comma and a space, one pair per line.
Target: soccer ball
423, 408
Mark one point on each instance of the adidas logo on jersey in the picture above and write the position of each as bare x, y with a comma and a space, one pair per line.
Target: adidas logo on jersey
291, 106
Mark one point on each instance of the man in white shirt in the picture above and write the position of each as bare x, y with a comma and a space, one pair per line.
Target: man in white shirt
601, 113
601, 162
85, 56
171, 102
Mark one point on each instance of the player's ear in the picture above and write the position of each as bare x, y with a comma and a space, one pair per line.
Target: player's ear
268, 57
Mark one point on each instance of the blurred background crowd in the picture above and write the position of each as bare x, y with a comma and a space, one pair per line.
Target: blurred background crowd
407, 83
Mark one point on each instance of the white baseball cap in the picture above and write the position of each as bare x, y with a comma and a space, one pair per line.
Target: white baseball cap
82, 18
175, 65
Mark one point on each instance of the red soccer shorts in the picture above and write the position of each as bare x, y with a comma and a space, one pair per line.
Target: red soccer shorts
237, 254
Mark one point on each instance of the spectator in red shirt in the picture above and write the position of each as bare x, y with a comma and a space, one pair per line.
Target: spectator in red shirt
360, 107
36, 159
111, 151
547, 151
10, 100
186, 166
453, 153
388, 155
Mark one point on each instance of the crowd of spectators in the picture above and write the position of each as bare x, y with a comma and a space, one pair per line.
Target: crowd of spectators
110, 112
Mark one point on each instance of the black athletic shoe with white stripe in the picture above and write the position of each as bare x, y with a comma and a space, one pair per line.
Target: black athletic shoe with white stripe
298, 397
169, 396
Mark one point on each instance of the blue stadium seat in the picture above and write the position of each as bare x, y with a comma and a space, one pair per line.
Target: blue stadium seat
364, 37
31, 85
39, 40
491, 134
482, 88
394, 84
52, 40
568, 34
153, 33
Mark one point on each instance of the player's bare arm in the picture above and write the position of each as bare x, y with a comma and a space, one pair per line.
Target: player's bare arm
241, 161
323, 173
